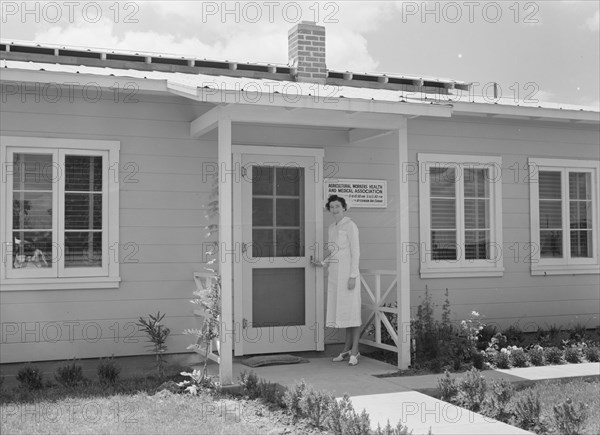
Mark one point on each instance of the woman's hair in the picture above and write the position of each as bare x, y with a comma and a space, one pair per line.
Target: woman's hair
336, 198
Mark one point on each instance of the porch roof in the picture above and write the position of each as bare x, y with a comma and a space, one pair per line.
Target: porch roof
225, 89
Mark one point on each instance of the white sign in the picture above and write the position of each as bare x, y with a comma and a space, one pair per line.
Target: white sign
358, 193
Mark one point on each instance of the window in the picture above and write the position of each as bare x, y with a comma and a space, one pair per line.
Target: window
61, 223
460, 215
564, 216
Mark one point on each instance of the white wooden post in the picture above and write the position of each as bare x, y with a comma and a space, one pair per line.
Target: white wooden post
226, 249
402, 260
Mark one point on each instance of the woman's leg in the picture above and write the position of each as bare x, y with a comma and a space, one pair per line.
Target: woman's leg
349, 338
354, 334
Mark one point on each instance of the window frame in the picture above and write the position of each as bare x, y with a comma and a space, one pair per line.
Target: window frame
460, 268
566, 265
58, 277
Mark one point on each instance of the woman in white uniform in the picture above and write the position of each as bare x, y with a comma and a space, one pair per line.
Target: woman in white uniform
343, 284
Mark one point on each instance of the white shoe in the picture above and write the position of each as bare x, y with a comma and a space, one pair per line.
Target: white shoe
341, 357
353, 359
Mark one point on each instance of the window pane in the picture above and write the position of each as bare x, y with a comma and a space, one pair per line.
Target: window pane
443, 245
551, 214
549, 185
32, 249
579, 185
288, 212
443, 214
262, 243
83, 211
289, 244
580, 214
83, 249
289, 180
476, 183
477, 244
33, 172
442, 181
262, 180
551, 244
581, 243
32, 210
477, 213
83, 173
262, 212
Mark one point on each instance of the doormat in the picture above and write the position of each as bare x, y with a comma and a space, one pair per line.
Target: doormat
272, 360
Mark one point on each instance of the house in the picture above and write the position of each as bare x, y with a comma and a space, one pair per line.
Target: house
108, 163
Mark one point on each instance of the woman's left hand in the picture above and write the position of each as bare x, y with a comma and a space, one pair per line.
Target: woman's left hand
351, 283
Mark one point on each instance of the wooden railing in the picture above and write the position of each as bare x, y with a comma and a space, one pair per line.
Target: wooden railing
371, 280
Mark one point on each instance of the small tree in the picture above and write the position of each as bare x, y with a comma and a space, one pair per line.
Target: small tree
157, 336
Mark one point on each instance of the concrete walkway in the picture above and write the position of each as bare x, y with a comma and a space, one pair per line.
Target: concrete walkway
402, 398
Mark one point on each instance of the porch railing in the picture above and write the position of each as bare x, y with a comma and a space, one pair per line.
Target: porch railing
371, 280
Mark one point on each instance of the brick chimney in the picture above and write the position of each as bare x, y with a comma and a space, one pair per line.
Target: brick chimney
306, 47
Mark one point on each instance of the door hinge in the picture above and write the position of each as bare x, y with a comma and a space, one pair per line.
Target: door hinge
244, 323
244, 247
244, 171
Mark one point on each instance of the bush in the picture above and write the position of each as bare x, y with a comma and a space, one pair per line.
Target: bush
30, 378
341, 418
514, 334
536, 356
292, 397
553, 355
498, 398
108, 371
527, 411
502, 360
315, 405
478, 359
249, 384
572, 355
471, 391
592, 354
69, 375
518, 358
400, 429
447, 388
570, 420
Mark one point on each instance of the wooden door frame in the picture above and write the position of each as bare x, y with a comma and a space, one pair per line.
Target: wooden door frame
237, 152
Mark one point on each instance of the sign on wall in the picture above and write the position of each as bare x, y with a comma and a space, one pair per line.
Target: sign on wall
358, 193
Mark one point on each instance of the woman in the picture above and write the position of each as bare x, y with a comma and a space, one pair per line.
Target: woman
343, 285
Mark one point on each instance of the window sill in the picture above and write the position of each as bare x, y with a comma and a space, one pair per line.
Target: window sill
24, 284
565, 270
461, 272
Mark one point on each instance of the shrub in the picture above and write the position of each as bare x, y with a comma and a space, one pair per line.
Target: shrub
570, 420
108, 371
553, 355
400, 429
478, 359
498, 398
343, 420
292, 398
572, 355
592, 354
514, 334
536, 356
447, 388
69, 375
502, 359
30, 378
249, 384
518, 357
157, 336
270, 392
315, 405
527, 410
471, 390
486, 335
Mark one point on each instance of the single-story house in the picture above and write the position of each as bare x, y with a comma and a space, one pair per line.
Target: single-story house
109, 159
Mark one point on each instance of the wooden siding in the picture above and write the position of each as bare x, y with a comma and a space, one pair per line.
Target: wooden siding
517, 296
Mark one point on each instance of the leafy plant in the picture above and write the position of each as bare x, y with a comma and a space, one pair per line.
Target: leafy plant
502, 359
514, 334
315, 405
536, 356
527, 411
568, 418
447, 388
498, 398
572, 354
518, 357
592, 353
292, 398
400, 429
471, 390
553, 355
69, 375
197, 383
30, 378
157, 336
108, 371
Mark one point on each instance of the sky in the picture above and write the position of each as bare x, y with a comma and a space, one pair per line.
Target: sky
535, 50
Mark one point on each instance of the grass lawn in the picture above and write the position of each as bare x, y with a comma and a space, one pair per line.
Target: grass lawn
141, 413
580, 391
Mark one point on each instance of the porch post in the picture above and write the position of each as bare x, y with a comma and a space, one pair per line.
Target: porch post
402, 260
226, 249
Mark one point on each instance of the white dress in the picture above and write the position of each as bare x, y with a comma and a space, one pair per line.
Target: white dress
343, 305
